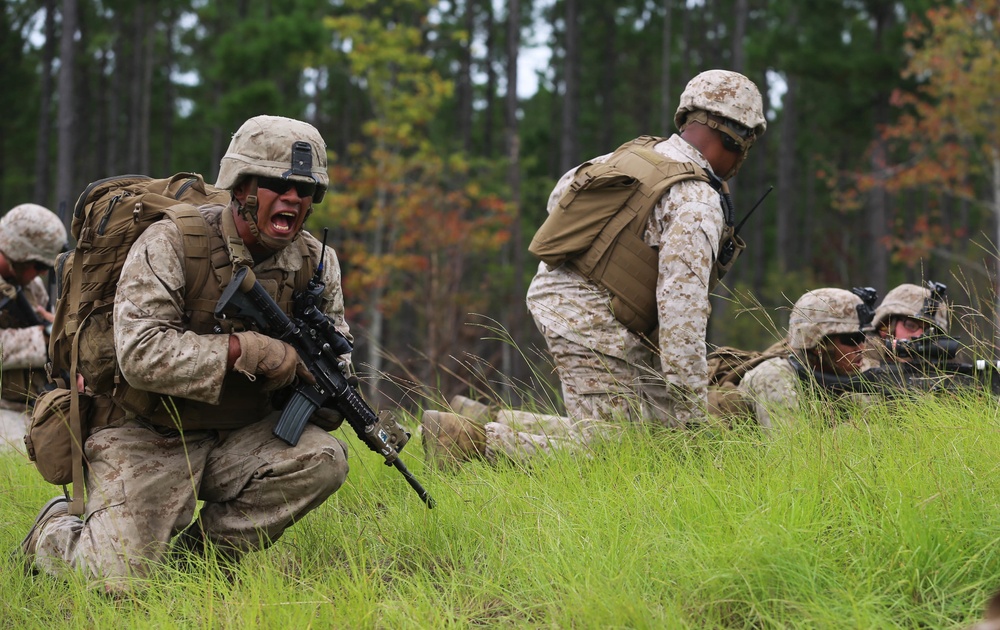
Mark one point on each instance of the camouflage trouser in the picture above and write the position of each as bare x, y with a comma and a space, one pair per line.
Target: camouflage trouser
597, 385
144, 484
520, 435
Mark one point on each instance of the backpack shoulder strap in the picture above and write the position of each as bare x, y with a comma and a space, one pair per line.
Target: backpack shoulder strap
197, 245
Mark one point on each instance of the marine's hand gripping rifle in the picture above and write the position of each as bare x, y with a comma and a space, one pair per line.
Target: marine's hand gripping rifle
319, 345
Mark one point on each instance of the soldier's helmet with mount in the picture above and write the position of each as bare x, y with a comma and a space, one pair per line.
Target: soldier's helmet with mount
274, 146
823, 312
928, 304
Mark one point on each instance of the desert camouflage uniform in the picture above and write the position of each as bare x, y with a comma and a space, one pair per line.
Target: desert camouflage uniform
29, 233
23, 353
22, 347
779, 395
606, 369
772, 387
775, 388
521, 435
143, 481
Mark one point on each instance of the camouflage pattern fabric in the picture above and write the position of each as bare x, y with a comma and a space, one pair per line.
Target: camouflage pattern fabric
779, 395
143, 482
23, 354
772, 387
686, 226
30, 232
520, 435
907, 300
23, 347
150, 338
724, 93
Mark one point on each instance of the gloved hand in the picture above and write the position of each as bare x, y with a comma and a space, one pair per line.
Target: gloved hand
327, 419
275, 360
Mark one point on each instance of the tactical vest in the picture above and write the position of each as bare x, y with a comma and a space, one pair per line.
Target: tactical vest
599, 224
242, 401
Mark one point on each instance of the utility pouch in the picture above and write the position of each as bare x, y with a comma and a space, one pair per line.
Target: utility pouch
49, 439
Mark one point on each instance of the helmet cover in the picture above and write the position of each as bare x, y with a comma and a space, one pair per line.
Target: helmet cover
30, 232
724, 93
822, 312
911, 300
274, 146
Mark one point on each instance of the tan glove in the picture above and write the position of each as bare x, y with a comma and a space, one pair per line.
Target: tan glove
275, 360
327, 419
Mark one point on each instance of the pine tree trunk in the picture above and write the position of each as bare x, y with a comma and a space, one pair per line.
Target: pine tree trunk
569, 142
788, 202
667, 105
515, 313
67, 113
491, 78
43, 173
464, 87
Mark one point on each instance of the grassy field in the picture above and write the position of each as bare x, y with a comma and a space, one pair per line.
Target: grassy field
889, 522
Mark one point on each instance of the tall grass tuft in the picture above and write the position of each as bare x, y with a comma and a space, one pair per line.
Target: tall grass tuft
889, 521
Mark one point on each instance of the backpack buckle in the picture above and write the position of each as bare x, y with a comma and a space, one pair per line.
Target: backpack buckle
579, 183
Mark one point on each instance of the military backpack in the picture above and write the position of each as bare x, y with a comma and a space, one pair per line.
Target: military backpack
108, 217
726, 368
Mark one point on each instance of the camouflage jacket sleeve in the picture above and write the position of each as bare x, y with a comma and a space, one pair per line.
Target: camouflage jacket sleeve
26, 347
155, 352
772, 388
690, 226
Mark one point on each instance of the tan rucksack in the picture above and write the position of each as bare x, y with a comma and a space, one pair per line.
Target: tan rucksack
108, 217
726, 368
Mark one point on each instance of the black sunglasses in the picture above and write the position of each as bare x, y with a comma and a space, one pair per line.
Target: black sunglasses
850, 339
281, 186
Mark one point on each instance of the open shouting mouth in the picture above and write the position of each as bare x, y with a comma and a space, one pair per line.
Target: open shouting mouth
284, 222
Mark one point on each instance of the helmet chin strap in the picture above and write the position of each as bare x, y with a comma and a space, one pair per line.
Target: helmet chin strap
732, 142
736, 167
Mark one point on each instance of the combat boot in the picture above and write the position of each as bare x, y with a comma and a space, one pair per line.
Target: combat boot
450, 439
59, 506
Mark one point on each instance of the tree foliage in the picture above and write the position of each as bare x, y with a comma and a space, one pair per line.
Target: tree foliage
414, 220
881, 139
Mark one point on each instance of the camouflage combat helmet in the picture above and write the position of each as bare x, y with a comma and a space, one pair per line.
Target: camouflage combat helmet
733, 100
29, 232
822, 312
723, 93
273, 146
911, 300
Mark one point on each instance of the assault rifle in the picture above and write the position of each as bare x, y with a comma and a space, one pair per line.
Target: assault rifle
932, 368
930, 363
895, 379
22, 310
319, 345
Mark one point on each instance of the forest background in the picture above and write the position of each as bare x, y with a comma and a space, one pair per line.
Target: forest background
883, 144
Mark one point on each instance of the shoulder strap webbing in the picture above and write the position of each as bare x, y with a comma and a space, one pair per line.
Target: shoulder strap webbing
197, 244
76, 505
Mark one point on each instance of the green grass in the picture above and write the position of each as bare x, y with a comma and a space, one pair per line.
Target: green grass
890, 522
